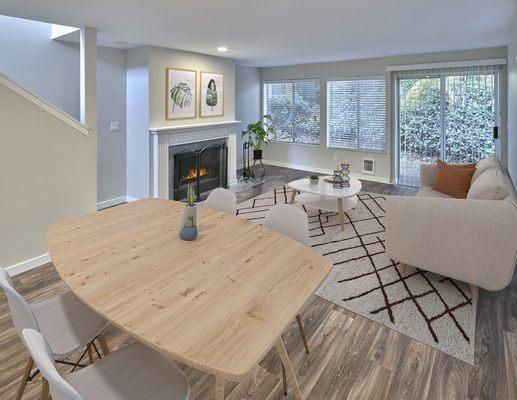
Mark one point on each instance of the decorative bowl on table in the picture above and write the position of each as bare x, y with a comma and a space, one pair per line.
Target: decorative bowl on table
314, 179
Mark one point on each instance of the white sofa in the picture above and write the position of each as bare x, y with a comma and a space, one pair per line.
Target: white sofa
472, 240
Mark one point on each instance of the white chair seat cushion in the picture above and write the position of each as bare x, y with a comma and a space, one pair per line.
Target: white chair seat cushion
67, 323
134, 372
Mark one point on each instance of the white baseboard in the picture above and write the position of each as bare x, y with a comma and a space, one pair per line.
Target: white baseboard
28, 264
232, 182
309, 168
129, 199
111, 202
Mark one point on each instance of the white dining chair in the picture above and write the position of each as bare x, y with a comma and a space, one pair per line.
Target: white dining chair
290, 221
68, 324
222, 200
134, 372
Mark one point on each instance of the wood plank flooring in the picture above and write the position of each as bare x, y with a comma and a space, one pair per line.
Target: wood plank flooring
351, 357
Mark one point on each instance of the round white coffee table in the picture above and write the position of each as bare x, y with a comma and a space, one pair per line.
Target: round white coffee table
324, 196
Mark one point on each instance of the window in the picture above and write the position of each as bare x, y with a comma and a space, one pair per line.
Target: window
356, 114
295, 110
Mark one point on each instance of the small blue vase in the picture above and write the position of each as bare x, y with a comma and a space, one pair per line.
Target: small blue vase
188, 233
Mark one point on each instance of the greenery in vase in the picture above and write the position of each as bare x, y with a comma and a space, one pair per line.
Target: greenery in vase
191, 195
259, 132
190, 222
314, 177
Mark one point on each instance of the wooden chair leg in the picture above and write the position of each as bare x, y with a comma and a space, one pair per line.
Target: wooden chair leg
104, 344
25, 378
282, 352
45, 389
302, 333
402, 268
474, 291
219, 388
284, 379
90, 353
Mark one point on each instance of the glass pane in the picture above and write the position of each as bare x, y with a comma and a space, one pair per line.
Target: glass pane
278, 102
419, 126
307, 112
469, 117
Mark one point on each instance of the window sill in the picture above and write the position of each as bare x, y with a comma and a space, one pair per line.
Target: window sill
295, 143
379, 152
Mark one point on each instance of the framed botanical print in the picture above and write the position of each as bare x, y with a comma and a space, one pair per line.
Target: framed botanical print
211, 101
181, 94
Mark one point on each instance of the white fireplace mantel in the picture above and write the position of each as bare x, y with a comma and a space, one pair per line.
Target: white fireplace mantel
163, 137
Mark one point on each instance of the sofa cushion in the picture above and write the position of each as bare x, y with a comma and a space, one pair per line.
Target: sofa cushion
483, 165
427, 191
489, 185
453, 179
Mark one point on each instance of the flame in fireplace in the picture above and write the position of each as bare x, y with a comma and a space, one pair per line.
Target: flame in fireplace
192, 173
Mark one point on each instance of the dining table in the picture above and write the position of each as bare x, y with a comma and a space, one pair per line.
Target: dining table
218, 303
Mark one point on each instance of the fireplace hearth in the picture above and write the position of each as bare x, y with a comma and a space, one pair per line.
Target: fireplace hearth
203, 164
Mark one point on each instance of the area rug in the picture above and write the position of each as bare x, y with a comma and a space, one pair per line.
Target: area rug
432, 309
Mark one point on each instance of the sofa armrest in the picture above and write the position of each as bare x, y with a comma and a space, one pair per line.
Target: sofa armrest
469, 240
427, 174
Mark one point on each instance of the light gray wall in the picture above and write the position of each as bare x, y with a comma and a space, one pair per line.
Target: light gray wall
137, 117
512, 108
50, 69
44, 66
247, 102
320, 157
111, 168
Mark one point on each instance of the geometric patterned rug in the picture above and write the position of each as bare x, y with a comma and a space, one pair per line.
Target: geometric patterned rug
432, 309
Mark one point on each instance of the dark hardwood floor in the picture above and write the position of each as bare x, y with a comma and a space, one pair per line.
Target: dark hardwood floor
351, 357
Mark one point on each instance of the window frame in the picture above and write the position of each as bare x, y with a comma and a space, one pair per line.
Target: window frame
293, 81
386, 119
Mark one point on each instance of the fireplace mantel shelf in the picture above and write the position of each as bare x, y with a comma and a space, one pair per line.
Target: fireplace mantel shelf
167, 129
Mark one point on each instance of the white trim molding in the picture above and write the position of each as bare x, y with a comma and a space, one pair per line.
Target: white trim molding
372, 178
44, 105
111, 202
28, 264
452, 64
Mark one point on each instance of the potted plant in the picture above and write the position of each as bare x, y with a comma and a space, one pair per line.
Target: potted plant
189, 231
258, 134
190, 207
314, 179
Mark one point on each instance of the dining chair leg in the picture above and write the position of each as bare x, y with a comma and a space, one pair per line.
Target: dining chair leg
25, 378
90, 353
284, 379
474, 291
284, 357
104, 344
219, 388
45, 389
302, 333
402, 268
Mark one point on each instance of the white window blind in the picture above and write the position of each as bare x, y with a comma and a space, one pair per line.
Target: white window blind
356, 114
295, 110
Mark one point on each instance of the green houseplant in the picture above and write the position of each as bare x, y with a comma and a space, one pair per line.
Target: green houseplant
258, 134
190, 210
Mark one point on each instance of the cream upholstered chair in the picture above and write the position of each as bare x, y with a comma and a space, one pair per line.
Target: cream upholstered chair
68, 324
133, 372
222, 200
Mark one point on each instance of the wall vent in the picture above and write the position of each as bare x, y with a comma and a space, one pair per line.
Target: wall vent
368, 166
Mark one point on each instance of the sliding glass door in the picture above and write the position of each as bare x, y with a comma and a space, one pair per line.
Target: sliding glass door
445, 114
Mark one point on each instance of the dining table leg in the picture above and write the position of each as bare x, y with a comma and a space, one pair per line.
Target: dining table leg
284, 357
341, 213
293, 196
219, 388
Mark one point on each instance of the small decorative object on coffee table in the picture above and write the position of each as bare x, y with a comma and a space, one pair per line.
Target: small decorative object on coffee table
345, 173
325, 197
190, 208
314, 179
337, 179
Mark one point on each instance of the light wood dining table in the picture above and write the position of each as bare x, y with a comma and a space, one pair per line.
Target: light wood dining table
218, 303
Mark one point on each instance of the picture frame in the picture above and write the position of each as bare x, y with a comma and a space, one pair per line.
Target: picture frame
180, 94
211, 94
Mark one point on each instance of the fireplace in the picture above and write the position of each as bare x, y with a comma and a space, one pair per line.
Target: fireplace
203, 164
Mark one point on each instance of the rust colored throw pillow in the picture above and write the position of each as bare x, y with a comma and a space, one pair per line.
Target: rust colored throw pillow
454, 179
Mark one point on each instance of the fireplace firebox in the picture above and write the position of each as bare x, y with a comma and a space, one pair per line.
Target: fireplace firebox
203, 164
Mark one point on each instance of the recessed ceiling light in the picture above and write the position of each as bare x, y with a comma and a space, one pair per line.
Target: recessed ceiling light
222, 48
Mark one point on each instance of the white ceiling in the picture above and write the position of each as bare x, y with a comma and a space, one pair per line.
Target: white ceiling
280, 32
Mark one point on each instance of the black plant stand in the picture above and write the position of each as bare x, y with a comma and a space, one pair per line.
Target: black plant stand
247, 172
